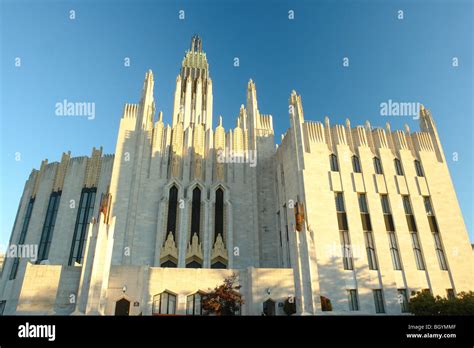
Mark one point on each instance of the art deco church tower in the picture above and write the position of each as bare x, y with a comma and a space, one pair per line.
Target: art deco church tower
193, 94
181, 206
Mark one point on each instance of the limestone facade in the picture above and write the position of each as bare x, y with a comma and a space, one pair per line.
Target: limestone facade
180, 206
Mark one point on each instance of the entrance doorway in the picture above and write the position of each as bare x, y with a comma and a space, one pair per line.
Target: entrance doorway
269, 307
122, 307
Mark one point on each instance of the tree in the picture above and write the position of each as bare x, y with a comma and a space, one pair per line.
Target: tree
224, 299
424, 303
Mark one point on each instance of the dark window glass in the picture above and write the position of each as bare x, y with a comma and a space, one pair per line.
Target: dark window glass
440, 252
48, 226
169, 264
353, 300
356, 164
269, 307
333, 162
398, 167
196, 213
407, 205
193, 264
172, 211
378, 299
389, 225
418, 168
450, 293
339, 202
218, 265
2, 306
363, 203
397, 265
370, 247
219, 214
84, 214
420, 264
21, 240
385, 204
428, 208
377, 166
193, 304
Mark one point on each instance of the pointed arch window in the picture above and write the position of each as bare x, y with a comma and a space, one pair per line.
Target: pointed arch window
219, 214
196, 212
172, 211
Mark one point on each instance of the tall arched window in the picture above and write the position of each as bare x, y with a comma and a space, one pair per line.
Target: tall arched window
172, 211
196, 212
219, 214
333, 163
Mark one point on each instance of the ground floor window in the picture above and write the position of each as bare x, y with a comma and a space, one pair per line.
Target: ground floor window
194, 304
164, 303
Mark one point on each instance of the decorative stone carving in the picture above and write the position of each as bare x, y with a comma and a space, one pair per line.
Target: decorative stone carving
219, 251
194, 251
169, 251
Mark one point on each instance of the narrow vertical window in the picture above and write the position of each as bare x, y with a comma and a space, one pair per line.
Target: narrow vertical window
333, 162
21, 240
420, 264
339, 202
353, 300
450, 293
196, 212
172, 211
48, 226
378, 299
363, 203
84, 214
346, 251
398, 167
418, 168
397, 265
193, 304
440, 252
370, 247
356, 164
377, 166
219, 214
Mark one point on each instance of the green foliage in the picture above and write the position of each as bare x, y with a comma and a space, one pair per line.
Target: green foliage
424, 303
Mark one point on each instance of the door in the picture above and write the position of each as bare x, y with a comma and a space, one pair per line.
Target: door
269, 307
122, 307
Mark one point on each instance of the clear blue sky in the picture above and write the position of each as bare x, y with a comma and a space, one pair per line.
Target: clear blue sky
82, 60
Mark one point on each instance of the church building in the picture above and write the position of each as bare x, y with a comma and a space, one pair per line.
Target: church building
335, 219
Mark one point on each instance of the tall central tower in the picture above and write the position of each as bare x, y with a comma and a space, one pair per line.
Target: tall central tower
193, 94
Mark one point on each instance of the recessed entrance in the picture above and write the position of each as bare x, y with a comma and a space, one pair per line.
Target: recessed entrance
122, 307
